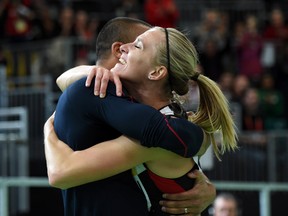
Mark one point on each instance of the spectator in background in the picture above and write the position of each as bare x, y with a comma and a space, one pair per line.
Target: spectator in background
276, 31
56, 56
162, 13
276, 34
252, 115
253, 139
81, 25
211, 60
238, 31
272, 103
212, 28
82, 38
18, 18
46, 26
249, 50
3, 12
225, 82
225, 204
93, 28
212, 39
239, 86
66, 22
129, 8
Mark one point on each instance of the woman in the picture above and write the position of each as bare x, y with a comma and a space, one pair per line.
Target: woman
158, 62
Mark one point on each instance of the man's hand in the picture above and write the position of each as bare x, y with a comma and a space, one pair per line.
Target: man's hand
193, 201
102, 77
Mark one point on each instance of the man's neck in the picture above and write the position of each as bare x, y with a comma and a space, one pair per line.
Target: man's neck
108, 64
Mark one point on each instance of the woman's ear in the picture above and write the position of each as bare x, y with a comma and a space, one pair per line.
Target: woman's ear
159, 73
115, 49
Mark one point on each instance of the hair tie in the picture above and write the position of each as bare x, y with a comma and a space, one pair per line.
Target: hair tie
195, 76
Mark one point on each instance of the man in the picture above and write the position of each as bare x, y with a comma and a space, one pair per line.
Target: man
108, 53
225, 204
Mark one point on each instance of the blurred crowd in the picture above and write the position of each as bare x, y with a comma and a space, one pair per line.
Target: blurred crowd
29, 20
247, 57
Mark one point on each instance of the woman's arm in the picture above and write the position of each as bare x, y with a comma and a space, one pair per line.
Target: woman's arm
67, 168
101, 75
72, 75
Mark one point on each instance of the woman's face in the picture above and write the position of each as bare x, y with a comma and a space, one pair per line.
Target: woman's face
138, 58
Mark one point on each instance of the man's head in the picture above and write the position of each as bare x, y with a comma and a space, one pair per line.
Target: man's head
225, 204
114, 33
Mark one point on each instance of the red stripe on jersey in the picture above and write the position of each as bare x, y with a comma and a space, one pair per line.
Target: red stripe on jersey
165, 185
182, 142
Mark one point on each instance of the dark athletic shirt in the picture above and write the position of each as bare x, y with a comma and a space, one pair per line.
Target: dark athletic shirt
153, 185
156, 185
82, 120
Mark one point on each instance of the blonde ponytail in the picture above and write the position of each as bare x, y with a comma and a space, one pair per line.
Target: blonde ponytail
213, 116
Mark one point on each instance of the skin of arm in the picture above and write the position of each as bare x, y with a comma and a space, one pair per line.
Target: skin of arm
102, 77
72, 75
68, 168
197, 199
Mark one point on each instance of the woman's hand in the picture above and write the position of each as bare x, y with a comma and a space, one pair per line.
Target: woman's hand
48, 126
102, 77
57, 155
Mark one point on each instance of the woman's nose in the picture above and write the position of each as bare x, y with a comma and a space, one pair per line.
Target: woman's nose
123, 48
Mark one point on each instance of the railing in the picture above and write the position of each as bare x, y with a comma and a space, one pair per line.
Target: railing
264, 190
6, 182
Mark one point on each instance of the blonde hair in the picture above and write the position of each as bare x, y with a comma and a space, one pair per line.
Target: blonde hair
213, 114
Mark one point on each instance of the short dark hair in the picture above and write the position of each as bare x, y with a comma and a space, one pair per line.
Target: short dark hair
117, 29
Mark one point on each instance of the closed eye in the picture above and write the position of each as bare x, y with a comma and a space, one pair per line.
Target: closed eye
138, 44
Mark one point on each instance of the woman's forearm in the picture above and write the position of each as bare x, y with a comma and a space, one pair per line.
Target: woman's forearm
67, 168
72, 75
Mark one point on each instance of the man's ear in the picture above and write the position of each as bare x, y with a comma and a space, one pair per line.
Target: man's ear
115, 49
159, 73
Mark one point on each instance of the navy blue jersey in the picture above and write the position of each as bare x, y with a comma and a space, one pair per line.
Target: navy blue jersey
82, 120
154, 186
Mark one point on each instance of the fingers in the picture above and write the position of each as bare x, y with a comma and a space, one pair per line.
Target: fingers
118, 84
102, 77
48, 126
199, 176
101, 82
52, 117
176, 197
181, 211
90, 76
